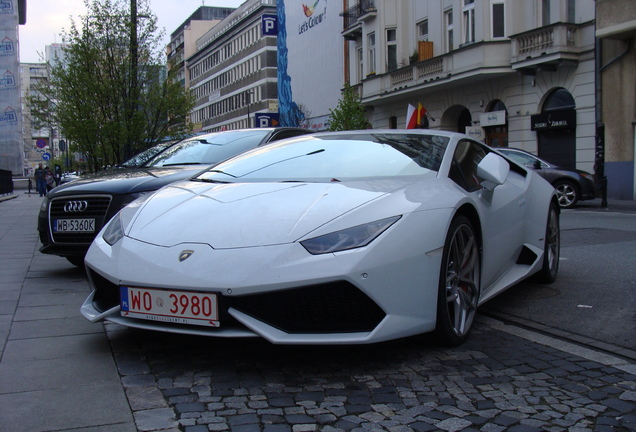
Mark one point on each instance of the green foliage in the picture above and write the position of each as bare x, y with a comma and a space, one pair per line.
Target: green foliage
110, 95
349, 113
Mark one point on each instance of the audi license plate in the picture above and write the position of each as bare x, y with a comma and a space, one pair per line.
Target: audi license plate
177, 307
74, 225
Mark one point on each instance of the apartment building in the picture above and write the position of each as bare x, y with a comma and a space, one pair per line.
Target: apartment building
183, 40
512, 73
12, 14
616, 94
233, 73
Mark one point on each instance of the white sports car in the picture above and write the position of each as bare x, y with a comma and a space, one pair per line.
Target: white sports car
343, 237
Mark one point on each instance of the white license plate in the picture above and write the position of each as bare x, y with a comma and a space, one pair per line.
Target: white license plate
179, 307
74, 225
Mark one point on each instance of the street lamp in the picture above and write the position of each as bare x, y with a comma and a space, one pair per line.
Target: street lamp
249, 94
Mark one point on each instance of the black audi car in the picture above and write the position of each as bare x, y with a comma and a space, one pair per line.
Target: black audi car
73, 213
572, 185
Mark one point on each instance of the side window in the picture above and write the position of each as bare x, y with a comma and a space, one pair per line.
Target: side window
288, 134
463, 170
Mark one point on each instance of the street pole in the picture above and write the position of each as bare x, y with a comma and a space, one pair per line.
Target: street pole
133, 73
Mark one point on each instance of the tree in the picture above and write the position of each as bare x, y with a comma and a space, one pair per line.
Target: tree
110, 94
349, 113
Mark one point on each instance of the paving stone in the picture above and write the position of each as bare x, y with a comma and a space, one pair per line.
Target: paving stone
494, 382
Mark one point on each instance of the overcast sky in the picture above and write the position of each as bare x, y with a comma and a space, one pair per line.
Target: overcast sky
45, 20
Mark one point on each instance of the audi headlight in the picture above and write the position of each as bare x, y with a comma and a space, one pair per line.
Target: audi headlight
45, 204
349, 238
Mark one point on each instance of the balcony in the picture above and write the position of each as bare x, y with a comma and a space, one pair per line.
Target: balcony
352, 18
470, 64
547, 47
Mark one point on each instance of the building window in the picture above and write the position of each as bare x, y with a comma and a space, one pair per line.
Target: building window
422, 30
498, 20
391, 49
360, 64
545, 12
448, 22
469, 21
371, 53
571, 11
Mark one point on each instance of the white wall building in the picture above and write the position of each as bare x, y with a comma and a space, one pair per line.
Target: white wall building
513, 73
310, 61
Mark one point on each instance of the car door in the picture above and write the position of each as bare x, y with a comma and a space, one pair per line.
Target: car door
501, 211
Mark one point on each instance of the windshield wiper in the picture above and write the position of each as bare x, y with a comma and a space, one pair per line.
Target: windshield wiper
183, 163
202, 180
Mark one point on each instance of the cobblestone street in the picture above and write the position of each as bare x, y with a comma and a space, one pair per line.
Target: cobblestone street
497, 381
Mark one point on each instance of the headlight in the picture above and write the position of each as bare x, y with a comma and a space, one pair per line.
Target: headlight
114, 231
45, 204
349, 238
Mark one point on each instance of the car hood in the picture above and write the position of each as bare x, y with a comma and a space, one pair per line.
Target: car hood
126, 180
237, 215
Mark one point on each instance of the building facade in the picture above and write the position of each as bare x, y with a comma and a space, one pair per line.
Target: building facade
233, 72
511, 73
616, 94
183, 40
12, 14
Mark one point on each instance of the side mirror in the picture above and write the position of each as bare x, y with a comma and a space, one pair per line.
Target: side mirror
536, 164
493, 170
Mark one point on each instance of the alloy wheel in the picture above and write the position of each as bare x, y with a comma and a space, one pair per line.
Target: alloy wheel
462, 279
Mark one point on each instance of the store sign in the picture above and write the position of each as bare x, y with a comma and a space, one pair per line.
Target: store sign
493, 118
476, 132
560, 119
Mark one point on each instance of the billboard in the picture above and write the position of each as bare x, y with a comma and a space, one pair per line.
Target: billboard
310, 61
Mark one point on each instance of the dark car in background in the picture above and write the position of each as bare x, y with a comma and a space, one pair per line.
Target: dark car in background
72, 214
572, 185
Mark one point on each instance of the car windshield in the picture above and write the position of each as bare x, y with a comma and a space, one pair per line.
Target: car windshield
209, 149
146, 155
335, 157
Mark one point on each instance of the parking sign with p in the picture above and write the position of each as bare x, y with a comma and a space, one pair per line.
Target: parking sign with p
270, 25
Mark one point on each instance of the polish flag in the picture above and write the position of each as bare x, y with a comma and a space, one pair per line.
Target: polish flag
411, 117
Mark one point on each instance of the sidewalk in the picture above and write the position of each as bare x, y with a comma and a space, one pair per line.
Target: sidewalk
57, 371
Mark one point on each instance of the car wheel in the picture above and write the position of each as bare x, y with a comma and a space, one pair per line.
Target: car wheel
567, 193
459, 284
552, 248
76, 260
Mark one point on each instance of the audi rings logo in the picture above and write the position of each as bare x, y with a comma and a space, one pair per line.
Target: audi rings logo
75, 206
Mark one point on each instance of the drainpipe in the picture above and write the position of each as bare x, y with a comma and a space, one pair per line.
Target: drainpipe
599, 156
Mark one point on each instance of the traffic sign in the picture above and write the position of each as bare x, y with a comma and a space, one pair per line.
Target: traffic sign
267, 120
46, 156
41, 143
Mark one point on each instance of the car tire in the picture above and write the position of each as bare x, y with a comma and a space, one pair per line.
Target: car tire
459, 283
567, 193
551, 249
77, 261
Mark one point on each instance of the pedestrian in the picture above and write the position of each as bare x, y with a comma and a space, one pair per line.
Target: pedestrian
40, 180
50, 180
